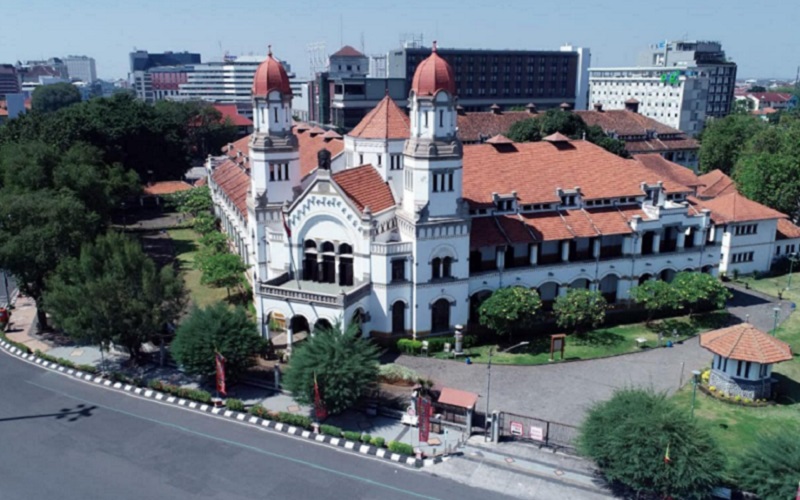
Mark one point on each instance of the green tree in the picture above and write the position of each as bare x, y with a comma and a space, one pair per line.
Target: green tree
49, 98
205, 223
192, 201
37, 230
217, 328
114, 293
722, 141
570, 124
558, 120
202, 128
769, 468
527, 130
214, 243
757, 88
509, 309
628, 437
223, 270
580, 309
656, 296
345, 367
696, 289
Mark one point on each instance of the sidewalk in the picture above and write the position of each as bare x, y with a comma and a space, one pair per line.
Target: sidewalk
23, 316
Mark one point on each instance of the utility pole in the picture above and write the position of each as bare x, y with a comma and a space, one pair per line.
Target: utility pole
488, 392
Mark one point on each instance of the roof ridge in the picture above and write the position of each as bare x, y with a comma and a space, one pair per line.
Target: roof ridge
738, 339
566, 224
599, 233
500, 227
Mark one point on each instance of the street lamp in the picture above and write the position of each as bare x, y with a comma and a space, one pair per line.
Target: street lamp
489, 385
695, 381
777, 310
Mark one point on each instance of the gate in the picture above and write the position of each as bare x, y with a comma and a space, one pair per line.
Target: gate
555, 435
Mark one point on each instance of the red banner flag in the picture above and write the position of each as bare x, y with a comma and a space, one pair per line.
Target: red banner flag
286, 225
425, 410
219, 361
319, 406
797, 497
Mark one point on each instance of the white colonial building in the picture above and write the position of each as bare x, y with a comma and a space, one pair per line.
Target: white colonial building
399, 227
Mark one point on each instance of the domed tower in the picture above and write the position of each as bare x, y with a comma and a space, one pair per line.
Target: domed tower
273, 149
432, 184
274, 162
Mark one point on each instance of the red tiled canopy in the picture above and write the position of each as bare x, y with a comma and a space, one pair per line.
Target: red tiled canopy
745, 342
455, 397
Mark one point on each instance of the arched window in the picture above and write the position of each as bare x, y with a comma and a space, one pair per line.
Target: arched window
345, 249
436, 268
399, 317
310, 268
327, 246
440, 316
447, 267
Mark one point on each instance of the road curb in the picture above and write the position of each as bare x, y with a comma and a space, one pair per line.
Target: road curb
244, 418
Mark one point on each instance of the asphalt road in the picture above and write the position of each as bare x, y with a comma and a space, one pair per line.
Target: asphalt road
65, 439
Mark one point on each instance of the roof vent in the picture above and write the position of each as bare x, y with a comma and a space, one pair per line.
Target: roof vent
495, 109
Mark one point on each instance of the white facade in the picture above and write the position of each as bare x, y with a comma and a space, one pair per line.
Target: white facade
81, 68
582, 80
675, 97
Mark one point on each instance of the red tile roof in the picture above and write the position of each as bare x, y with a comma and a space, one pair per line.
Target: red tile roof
485, 232
473, 127
366, 188
734, 207
166, 187
385, 121
310, 144
271, 75
715, 183
745, 342
770, 96
535, 169
455, 397
499, 139
347, 51
234, 182
230, 112
432, 75
787, 230
669, 170
203, 181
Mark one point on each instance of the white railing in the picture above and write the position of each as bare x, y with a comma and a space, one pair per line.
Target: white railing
393, 248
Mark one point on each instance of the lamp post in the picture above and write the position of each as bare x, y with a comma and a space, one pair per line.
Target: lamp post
792, 256
489, 385
777, 311
695, 381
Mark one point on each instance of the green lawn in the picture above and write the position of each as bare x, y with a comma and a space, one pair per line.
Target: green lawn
186, 243
599, 343
737, 427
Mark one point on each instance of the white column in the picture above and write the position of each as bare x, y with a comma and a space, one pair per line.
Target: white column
499, 258
534, 256
289, 339
681, 239
697, 234
593, 286
637, 245
562, 290
596, 248
565, 251
657, 242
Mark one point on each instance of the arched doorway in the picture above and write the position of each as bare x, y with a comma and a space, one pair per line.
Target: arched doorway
475, 302
440, 316
667, 275
548, 293
310, 267
580, 283
358, 319
345, 265
322, 324
608, 287
399, 317
299, 324
645, 277
707, 269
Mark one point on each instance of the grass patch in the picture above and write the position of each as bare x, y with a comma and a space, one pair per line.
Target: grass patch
599, 343
186, 243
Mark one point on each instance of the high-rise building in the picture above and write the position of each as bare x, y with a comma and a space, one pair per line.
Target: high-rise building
682, 84
9, 80
141, 62
506, 78
81, 68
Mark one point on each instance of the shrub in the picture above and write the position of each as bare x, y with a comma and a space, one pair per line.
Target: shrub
259, 411
712, 388
365, 438
769, 467
352, 436
705, 376
580, 309
198, 395
377, 441
737, 398
510, 309
393, 373
234, 404
401, 448
330, 430
292, 419
436, 344
409, 346
747, 401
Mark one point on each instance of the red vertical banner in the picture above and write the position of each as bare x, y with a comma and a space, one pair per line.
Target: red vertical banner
425, 410
219, 362
319, 407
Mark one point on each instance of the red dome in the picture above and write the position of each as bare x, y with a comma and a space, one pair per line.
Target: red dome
270, 76
433, 74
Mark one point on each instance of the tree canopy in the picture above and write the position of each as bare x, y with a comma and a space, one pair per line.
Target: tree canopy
49, 98
217, 328
643, 441
509, 309
345, 367
580, 309
114, 293
722, 140
695, 289
769, 468
656, 296
570, 124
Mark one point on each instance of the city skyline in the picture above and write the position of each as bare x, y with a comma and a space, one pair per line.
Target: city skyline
110, 33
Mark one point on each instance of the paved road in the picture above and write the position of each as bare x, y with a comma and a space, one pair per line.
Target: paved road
65, 439
7, 282
563, 392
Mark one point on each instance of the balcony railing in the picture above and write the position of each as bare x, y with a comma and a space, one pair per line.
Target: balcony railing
343, 299
393, 248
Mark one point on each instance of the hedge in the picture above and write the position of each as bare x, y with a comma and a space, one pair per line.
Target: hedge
435, 344
409, 346
401, 448
234, 404
377, 441
292, 419
330, 430
365, 438
259, 411
181, 392
352, 436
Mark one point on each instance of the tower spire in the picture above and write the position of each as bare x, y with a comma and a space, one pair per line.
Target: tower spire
434, 46
269, 50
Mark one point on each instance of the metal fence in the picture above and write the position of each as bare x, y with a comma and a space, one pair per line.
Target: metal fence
512, 426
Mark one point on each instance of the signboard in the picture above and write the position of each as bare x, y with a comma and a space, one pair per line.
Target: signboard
557, 344
537, 433
424, 406
517, 429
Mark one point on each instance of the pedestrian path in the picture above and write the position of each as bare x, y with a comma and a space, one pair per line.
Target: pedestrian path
23, 317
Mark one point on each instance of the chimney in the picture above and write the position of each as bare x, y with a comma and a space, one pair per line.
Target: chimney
324, 159
632, 105
598, 106
565, 106
495, 109
531, 107
460, 110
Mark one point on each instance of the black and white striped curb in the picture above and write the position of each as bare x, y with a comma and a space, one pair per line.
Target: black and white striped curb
364, 449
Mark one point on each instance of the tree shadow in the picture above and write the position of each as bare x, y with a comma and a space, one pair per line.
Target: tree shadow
182, 247
597, 338
787, 389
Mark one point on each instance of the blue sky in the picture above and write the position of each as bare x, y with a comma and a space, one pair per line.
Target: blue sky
762, 44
